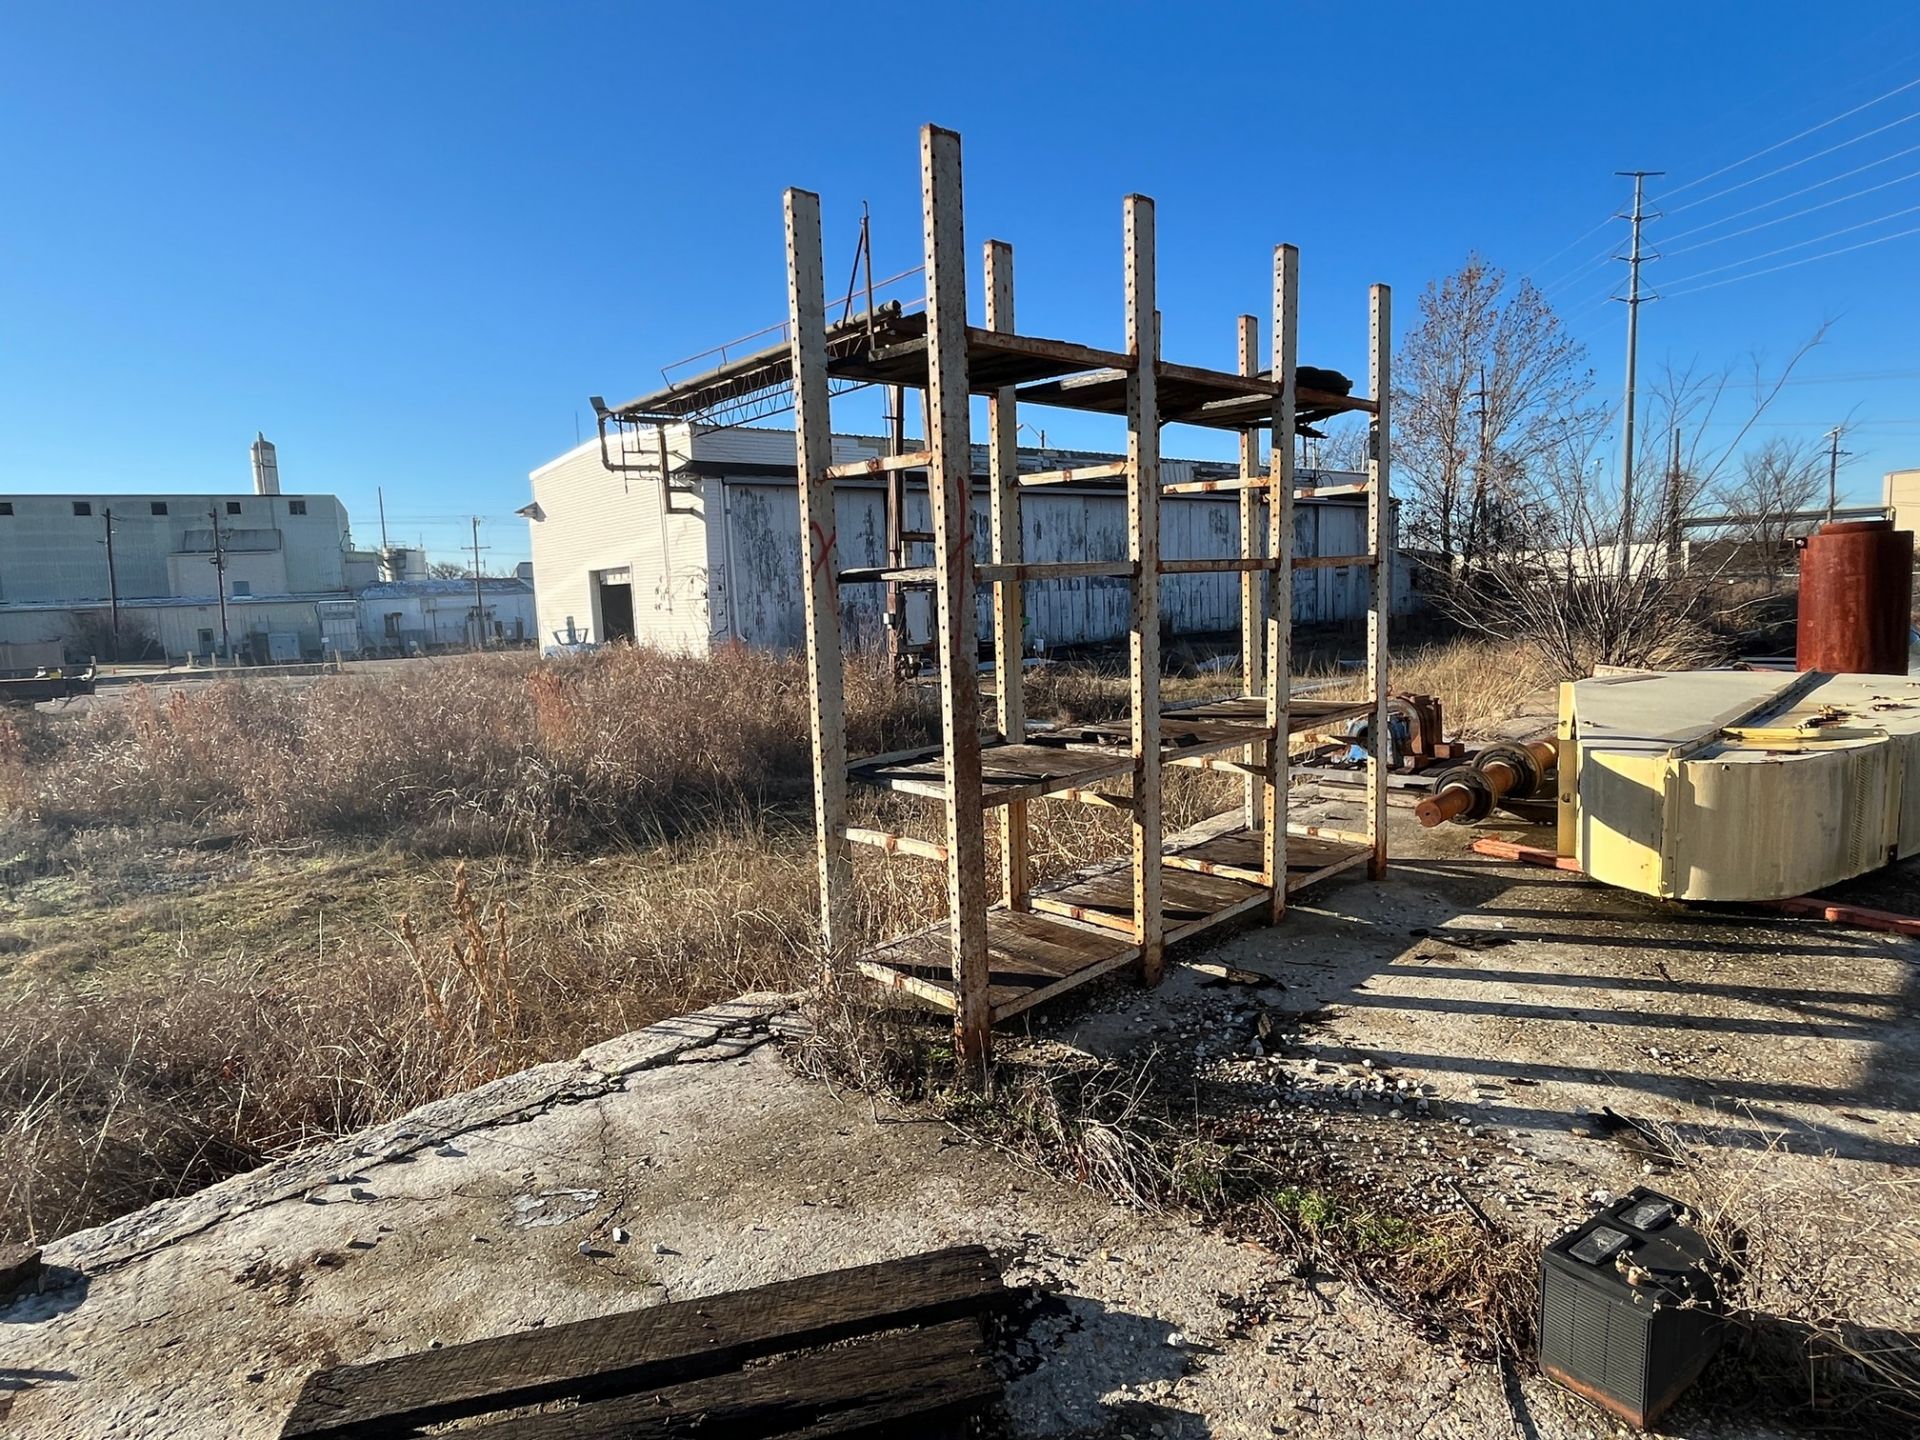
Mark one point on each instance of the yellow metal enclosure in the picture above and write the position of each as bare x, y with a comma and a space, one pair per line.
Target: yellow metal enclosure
1738, 784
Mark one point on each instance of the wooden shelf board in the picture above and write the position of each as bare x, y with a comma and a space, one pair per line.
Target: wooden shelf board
1079, 757
1035, 955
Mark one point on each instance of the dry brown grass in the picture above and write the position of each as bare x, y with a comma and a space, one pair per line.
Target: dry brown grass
637, 843
117, 1089
1821, 1295
475, 752
1481, 683
634, 851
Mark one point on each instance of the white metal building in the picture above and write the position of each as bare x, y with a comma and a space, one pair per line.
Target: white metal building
293, 586
713, 554
411, 616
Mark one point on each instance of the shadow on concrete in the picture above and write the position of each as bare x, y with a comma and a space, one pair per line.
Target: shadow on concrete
1078, 1367
1788, 1028
60, 1289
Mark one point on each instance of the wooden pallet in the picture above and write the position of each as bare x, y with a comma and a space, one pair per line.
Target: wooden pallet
1081, 930
893, 1348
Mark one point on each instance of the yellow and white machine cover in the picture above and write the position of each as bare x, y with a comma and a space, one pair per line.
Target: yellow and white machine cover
1738, 784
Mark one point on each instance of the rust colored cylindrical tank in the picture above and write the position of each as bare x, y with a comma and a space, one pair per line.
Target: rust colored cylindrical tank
1856, 599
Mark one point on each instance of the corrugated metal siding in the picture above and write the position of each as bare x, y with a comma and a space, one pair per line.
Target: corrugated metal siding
741, 578
598, 520
763, 545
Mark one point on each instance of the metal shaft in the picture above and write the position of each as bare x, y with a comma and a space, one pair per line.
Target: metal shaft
1499, 774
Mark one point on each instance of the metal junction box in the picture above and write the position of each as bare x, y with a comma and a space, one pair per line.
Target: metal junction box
1629, 1308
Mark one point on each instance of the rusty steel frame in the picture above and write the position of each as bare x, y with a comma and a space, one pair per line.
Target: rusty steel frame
1265, 568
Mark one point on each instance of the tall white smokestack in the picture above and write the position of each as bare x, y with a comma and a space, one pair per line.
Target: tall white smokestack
266, 469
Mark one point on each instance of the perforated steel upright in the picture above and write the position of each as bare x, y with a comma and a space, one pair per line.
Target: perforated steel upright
1046, 938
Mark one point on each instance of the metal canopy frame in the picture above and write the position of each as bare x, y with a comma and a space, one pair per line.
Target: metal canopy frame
1008, 946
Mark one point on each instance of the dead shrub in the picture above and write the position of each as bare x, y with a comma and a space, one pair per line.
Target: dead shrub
1821, 1295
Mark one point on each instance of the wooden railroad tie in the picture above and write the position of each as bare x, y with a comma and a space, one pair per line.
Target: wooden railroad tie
893, 1348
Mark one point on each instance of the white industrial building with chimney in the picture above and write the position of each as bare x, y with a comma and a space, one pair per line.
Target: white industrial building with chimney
265, 577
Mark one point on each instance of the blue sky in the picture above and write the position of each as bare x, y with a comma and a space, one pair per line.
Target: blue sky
407, 241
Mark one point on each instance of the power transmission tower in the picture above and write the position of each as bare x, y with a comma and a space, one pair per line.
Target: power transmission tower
479, 605
1834, 452
1633, 257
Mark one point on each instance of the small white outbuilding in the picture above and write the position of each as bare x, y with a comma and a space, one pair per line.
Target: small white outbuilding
706, 550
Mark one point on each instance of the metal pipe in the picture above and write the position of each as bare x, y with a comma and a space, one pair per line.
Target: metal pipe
1470, 792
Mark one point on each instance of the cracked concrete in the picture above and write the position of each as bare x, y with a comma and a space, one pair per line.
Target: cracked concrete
687, 1160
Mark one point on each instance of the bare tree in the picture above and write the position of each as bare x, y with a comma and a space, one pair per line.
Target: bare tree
1563, 591
1709, 418
1777, 481
449, 570
1340, 446
1489, 385
1565, 594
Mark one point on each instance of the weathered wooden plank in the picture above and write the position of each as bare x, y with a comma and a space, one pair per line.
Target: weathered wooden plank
883, 1385
1003, 464
881, 465
1075, 475
1009, 772
1243, 849
1042, 993
660, 1345
1056, 570
896, 844
995, 341
1011, 959
820, 559
1300, 880
1220, 565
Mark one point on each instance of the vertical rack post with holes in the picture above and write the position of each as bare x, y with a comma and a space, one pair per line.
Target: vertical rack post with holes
1006, 947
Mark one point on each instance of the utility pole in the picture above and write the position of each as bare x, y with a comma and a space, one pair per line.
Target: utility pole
220, 585
1633, 257
1834, 452
1673, 507
479, 606
113, 584
380, 495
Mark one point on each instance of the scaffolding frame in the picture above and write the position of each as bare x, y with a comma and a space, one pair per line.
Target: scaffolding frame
1005, 948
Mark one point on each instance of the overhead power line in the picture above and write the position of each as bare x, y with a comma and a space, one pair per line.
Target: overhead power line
1796, 245
1796, 164
1804, 260
1566, 282
1781, 144
1795, 215
1542, 264
1795, 194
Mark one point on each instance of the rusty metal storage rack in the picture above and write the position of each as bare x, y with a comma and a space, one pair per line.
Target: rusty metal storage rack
989, 959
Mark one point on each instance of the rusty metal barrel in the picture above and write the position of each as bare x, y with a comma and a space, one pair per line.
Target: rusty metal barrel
1856, 599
